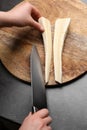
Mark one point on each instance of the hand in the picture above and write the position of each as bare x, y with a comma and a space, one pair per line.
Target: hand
23, 14
37, 121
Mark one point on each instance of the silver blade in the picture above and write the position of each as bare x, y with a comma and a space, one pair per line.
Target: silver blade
37, 82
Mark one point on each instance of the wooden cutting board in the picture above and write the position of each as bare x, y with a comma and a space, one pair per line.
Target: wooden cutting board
16, 43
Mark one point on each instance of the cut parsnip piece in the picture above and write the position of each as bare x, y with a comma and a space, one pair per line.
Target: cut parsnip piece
61, 27
47, 39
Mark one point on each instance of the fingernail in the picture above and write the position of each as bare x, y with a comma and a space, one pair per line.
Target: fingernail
42, 29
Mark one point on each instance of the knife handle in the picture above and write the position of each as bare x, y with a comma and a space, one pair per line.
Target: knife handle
34, 109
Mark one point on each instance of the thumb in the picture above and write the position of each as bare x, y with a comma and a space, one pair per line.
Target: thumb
36, 25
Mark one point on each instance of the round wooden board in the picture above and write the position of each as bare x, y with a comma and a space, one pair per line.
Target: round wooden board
16, 43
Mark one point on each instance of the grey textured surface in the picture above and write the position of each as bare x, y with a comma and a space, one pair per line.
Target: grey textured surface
68, 105
8, 4
85, 1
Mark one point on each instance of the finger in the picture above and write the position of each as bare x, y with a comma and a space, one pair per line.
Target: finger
47, 120
35, 13
47, 128
36, 25
30, 114
43, 113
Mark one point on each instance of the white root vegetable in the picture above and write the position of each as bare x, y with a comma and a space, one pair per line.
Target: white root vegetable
47, 39
61, 27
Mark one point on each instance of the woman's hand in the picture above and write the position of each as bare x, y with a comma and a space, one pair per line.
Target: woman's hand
37, 121
23, 14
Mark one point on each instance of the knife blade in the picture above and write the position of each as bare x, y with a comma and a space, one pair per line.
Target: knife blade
37, 82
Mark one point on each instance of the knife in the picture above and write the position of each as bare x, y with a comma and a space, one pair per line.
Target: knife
37, 82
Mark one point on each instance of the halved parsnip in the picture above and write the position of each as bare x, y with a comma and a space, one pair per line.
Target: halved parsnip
47, 39
61, 27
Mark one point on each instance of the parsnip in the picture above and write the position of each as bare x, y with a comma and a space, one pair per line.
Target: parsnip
47, 39
61, 27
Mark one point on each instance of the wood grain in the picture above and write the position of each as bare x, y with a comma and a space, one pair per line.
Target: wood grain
16, 43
